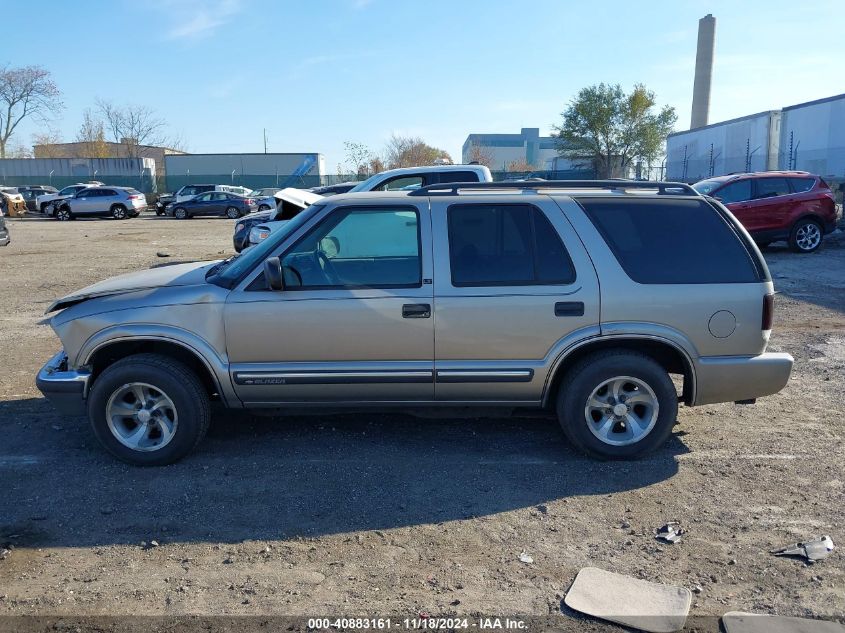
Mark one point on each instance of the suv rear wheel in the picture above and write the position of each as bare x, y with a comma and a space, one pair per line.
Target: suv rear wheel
149, 410
118, 212
806, 236
617, 405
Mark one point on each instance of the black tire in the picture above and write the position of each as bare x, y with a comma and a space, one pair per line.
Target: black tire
44, 207
118, 212
797, 237
63, 214
180, 214
183, 388
233, 213
159, 212
589, 373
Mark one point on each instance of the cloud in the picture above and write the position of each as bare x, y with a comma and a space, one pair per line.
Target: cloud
197, 19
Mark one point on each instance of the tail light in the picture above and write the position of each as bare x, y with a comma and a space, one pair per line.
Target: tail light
250, 201
135, 197
768, 311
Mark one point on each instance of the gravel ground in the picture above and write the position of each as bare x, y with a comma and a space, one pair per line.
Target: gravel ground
374, 514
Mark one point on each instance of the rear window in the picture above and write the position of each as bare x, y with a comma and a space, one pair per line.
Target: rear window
770, 187
800, 185
458, 176
671, 241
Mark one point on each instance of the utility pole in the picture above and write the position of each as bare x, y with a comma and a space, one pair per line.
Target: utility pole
265, 140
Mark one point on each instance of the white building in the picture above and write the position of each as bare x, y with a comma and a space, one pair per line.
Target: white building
526, 147
807, 136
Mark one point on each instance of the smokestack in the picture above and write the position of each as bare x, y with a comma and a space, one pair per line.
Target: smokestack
703, 71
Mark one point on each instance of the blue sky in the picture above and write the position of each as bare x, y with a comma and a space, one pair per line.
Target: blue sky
321, 72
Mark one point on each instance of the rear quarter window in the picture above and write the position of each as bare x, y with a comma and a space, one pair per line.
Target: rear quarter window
672, 241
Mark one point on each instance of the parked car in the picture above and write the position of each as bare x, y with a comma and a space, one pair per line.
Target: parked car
189, 191
333, 190
222, 203
289, 202
5, 238
45, 201
795, 206
12, 201
581, 298
117, 202
390, 180
264, 198
30, 194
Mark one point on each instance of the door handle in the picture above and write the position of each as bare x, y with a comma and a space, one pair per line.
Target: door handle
416, 311
569, 308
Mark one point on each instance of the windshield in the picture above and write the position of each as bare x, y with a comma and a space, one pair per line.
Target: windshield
706, 187
366, 185
229, 272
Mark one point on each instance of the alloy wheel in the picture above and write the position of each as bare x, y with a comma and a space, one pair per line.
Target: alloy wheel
621, 411
808, 236
141, 417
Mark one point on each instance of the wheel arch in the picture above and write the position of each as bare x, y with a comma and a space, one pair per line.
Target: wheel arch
107, 352
668, 354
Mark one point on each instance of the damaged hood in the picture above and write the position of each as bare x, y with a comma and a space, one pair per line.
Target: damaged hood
165, 276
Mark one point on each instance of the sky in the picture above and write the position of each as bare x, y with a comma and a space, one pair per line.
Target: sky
317, 73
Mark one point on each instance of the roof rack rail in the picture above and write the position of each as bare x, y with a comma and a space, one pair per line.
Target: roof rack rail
663, 188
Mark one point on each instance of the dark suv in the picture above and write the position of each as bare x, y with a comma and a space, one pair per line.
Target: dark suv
795, 206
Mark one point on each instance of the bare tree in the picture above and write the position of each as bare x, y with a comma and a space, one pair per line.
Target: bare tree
410, 151
92, 137
358, 157
133, 126
482, 155
18, 151
25, 92
521, 165
44, 144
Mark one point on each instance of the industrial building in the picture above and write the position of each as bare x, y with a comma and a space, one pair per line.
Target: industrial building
60, 172
247, 170
806, 136
526, 147
125, 149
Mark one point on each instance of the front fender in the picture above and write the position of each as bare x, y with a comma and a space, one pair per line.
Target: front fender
217, 364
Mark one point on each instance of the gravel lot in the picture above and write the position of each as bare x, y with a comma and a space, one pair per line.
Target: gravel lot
372, 514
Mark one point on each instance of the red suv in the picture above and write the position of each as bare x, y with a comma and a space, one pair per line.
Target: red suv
795, 206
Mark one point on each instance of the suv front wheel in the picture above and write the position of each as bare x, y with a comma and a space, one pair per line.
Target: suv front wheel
149, 410
806, 236
617, 405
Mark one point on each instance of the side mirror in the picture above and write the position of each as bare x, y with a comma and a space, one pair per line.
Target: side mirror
273, 273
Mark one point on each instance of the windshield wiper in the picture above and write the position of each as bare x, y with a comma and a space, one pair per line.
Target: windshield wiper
221, 265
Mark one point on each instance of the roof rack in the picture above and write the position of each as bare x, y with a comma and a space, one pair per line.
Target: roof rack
663, 188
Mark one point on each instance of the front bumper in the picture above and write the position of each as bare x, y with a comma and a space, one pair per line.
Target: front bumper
65, 388
736, 378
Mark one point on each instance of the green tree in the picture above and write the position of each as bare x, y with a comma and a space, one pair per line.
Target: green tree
612, 130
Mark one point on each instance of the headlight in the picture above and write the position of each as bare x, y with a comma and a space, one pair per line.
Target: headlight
258, 234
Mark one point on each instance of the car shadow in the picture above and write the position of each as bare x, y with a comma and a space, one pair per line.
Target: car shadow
304, 475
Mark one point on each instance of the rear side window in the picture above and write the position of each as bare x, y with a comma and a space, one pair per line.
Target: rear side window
504, 245
800, 185
770, 187
458, 176
671, 241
